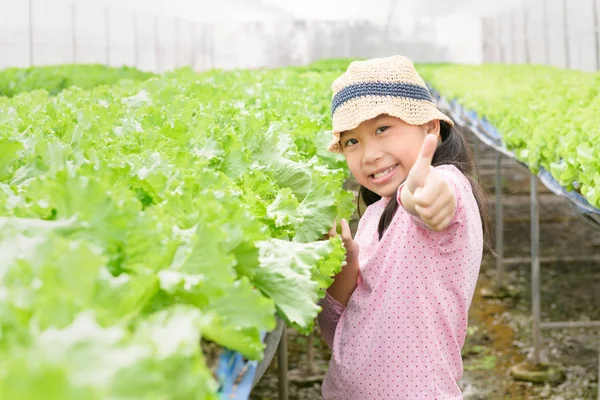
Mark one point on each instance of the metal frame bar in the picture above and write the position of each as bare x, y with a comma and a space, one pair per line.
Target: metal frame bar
551, 259
499, 236
177, 23
535, 271
513, 25
136, 47
74, 31
282, 366
107, 33
193, 46
597, 50
570, 324
546, 33
565, 25
526, 44
156, 44
30, 16
272, 341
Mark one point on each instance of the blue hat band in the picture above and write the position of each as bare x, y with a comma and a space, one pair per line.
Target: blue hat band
394, 89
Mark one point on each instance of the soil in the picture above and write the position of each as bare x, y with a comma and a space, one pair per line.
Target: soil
499, 335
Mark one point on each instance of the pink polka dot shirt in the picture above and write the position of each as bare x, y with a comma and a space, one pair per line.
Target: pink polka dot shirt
401, 333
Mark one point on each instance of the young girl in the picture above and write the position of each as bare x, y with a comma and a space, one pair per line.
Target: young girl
396, 315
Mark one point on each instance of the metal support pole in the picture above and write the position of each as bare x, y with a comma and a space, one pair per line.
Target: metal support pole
156, 44
546, 33
177, 35
526, 35
497, 40
503, 52
513, 26
485, 42
74, 31
136, 49
107, 33
203, 46
30, 32
499, 224
271, 341
535, 270
597, 51
193, 46
282, 366
348, 43
211, 43
565, 23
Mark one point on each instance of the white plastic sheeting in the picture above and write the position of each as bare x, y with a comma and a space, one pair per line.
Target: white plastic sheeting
160, 35
379, 10
562, 33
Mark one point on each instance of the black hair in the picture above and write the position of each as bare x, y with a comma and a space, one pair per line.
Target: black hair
452, 151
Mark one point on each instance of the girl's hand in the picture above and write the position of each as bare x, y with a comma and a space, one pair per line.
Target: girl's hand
346, 280
426, 193
351, 246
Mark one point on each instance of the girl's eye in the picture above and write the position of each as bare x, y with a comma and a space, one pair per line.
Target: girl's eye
350, 142
382, 129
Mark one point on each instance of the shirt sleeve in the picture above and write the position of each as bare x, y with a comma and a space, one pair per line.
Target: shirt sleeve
329, 317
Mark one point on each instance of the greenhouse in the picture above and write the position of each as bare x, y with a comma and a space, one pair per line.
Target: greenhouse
299, 199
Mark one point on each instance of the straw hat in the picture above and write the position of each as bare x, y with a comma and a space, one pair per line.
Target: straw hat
378, 86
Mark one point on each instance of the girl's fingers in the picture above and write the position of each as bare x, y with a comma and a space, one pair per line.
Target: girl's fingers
443, 216
444, 224
432, 211
437, 213
350, 245
333, 231
346, 232
429, 193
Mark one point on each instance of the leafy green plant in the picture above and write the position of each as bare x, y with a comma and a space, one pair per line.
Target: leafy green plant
547, 116
57, 78
139, 217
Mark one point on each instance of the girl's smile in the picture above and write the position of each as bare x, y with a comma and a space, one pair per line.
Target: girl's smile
383, 176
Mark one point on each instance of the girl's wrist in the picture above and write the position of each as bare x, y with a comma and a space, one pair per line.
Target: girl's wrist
344, 283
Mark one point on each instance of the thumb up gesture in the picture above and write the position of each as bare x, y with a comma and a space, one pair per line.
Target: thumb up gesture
426, 193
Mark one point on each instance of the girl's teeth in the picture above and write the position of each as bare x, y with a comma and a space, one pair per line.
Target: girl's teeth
380, 174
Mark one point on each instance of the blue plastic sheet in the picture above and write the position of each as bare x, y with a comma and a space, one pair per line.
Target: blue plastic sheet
235, 375
488, 134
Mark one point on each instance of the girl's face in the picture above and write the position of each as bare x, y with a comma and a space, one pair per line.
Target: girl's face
381, 151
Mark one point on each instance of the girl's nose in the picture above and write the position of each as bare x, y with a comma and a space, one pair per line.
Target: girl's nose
372, 152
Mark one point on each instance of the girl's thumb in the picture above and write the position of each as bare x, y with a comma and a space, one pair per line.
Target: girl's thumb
421, 167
